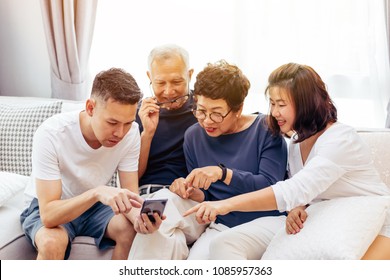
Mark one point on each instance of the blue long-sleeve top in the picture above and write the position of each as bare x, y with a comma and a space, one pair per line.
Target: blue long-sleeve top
257, 158
166, 160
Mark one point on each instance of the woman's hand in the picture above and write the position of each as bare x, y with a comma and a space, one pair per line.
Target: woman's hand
295, 219
201, 178
208, 211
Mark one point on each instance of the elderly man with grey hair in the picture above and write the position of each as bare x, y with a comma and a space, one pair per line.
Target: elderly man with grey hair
163, 117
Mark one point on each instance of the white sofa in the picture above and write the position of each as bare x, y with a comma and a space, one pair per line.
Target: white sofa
13, 243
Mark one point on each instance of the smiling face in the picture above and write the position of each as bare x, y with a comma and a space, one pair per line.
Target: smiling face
169, 79
209, 106
282, 109
110, 121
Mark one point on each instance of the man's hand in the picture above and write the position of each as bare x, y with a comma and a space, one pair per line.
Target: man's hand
143, 224
149, 114
120, 200
180, 187
185, 191
295, 219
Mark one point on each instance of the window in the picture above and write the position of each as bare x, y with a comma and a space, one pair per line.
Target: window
343, 40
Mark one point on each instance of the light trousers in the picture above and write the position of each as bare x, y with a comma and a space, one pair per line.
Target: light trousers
200, 250
246, 241
176, 232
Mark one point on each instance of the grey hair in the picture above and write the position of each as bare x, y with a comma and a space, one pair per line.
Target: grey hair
167, 51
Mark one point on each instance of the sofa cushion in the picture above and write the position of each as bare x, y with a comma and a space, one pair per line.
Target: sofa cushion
17, 127
13, 243
15, 246
341, 228
10, 185
84, 248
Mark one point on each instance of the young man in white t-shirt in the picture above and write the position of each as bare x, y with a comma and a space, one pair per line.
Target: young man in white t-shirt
74, 157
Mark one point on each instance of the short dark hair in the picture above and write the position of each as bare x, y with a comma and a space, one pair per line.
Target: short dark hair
313, 106
116, 84
222, 80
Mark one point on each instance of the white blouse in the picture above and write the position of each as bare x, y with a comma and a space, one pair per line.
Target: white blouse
339, 165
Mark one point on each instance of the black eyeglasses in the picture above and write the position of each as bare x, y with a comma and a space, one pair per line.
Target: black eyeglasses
215, 117
177, 102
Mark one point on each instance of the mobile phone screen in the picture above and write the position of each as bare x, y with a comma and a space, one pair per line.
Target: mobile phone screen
151, 206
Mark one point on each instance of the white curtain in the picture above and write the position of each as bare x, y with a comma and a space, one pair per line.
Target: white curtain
69, 26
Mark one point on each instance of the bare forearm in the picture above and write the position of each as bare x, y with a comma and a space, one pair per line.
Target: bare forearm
58, 212
146, 142
261, 200
129, 181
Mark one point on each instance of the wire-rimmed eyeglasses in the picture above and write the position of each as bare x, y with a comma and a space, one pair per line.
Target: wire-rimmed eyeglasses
215, 117
173, 103
177, 102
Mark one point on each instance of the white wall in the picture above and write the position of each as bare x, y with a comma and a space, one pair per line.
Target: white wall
24, 62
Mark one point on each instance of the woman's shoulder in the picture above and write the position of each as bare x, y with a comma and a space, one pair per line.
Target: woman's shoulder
339, 132
193, 130
340, 140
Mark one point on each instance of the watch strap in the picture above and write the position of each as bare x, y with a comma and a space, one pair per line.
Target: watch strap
224, 172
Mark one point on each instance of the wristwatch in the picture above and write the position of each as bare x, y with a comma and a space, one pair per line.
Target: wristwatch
224, 172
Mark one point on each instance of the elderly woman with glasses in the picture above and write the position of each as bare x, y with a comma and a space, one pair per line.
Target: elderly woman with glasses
227, 152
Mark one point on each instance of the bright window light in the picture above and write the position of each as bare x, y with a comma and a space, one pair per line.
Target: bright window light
343, 40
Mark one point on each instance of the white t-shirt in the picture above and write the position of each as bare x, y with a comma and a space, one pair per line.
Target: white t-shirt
61, 152
339, 165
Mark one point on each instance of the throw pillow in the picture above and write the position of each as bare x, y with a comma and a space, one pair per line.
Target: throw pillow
341, 228
17, 128
10, 185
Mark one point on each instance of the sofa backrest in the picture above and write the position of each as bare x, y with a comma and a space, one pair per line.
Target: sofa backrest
19, 118
67, 105
378, 140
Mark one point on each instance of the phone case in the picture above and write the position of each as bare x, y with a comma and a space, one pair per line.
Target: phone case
151, 206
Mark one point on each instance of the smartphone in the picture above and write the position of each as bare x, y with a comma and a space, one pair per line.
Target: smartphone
151, 206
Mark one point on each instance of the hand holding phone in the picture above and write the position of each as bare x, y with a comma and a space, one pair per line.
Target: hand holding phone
151, 206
